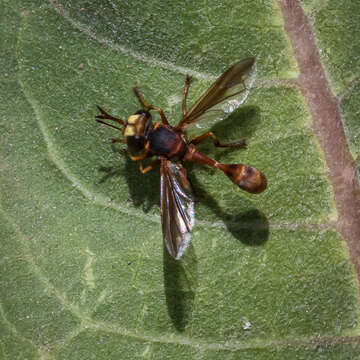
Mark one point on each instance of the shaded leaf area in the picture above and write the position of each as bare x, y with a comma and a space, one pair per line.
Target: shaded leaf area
83, 269
335, 24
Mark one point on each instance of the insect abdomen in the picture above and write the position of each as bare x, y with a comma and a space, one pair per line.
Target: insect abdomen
245, 177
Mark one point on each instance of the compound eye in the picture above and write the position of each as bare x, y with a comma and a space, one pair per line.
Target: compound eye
136, 145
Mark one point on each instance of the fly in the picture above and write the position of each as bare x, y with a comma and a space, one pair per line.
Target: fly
172, 148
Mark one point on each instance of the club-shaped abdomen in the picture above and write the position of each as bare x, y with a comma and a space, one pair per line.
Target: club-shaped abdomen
245, 177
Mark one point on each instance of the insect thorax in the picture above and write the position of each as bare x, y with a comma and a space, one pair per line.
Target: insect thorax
166, 141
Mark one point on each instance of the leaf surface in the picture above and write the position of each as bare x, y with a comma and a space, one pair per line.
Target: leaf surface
84, 273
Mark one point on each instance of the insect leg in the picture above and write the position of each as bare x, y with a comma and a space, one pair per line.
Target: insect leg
123, 141
150, 107
199, 139
150, 167
186, 89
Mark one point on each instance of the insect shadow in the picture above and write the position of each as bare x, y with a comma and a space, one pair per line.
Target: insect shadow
180, 283
241, 124
144, 190
251, 227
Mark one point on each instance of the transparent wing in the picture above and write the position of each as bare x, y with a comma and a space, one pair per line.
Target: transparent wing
177, 208
227, 93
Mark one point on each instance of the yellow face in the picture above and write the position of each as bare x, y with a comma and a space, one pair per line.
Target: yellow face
136, 131
137, 125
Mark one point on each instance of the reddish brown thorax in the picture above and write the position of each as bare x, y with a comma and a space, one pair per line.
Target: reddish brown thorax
167, 141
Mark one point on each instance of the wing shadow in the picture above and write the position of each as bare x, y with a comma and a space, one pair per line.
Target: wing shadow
180, 283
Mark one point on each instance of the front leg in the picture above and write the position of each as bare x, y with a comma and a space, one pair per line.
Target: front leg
150, 107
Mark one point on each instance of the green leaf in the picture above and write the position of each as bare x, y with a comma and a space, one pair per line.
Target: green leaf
84, 273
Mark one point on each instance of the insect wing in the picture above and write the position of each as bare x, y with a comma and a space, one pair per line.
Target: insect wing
227, 93
177, 208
